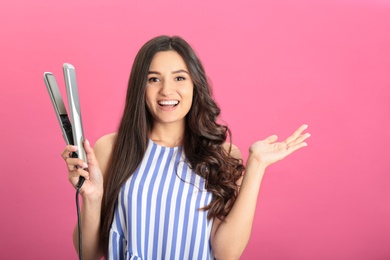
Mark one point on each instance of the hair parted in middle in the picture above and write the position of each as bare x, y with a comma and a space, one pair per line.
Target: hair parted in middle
203, 142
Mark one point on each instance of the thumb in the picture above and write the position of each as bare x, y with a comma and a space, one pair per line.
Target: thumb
90, 153
271, 139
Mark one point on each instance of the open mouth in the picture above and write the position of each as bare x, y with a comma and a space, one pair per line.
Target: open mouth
168, 103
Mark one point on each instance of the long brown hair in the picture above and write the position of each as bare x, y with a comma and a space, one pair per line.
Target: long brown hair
203, 142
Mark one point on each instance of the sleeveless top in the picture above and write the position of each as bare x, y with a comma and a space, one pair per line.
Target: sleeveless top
158, 211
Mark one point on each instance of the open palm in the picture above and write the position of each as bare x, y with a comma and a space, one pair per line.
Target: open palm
269, 151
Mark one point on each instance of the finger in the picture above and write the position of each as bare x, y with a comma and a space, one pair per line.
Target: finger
90, 153
68, 150
300, 139
75, 163
293, 148
75, 175
271, 139
296, 134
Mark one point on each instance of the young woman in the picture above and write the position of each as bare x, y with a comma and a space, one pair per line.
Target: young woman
167, 185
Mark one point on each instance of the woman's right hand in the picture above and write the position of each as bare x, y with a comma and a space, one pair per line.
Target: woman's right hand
93, 184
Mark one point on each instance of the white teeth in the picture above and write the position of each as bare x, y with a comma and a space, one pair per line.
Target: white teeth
169, 102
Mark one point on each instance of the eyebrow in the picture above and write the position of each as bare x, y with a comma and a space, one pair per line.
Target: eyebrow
173, 72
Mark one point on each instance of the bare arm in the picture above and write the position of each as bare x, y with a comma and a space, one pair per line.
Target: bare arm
91, 193
230, 237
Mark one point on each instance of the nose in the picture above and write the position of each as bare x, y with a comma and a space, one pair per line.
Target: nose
166, 88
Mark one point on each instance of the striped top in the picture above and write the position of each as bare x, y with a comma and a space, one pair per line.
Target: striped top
157, 213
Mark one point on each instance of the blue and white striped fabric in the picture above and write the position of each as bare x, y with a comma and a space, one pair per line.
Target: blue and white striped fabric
157, 214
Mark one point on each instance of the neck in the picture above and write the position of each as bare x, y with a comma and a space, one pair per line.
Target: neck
169, 135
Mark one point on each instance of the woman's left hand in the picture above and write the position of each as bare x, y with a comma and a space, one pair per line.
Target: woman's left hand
268, 151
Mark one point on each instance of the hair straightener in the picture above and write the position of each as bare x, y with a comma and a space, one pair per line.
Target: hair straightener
71, 130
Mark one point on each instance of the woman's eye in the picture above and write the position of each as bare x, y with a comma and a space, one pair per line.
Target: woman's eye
153, 80
180, 78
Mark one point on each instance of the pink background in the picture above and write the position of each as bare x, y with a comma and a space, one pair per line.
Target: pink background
274, 65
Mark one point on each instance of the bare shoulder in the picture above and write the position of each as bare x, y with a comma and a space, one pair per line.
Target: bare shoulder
233, 150
105, 140
103, 149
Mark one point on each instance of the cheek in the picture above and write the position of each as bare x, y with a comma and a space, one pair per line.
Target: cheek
148, 97
187, 95
149, 93
147, 105
189, 92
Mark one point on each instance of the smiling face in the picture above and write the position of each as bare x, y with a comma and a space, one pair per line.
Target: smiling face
169, 89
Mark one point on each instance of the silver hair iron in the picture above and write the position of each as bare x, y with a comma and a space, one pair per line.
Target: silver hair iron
72, 130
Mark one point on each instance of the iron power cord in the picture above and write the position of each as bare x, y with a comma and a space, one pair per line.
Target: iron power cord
79, 221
